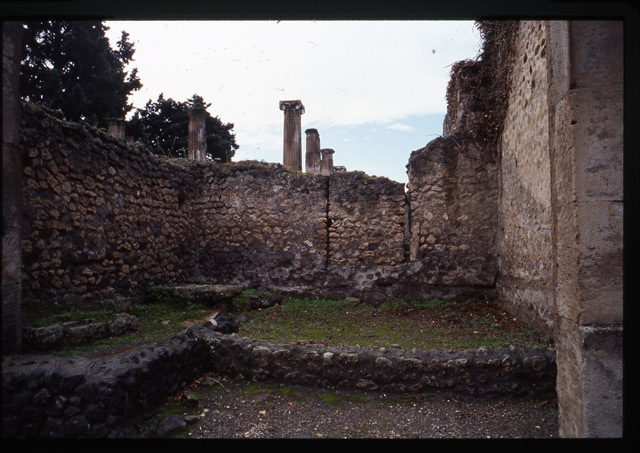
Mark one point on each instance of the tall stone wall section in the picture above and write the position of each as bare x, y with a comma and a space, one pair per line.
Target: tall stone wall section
561, 210
261, 226
101, 217
11, 189
366, 220
587, 142
453, 197
525, 283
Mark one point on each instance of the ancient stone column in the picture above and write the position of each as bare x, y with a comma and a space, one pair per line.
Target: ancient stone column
115, 127
197, 134
326, 165
312, 158
11, 190
292, 152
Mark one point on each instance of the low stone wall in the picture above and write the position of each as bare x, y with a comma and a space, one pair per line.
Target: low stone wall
481, 372
76, 397
77, 332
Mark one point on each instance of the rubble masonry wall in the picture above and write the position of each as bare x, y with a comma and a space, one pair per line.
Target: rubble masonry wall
526, 256
103, 218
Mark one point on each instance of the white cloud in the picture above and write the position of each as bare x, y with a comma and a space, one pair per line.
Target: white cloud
399, 127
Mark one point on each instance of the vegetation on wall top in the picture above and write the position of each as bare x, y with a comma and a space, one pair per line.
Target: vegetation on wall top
486, 80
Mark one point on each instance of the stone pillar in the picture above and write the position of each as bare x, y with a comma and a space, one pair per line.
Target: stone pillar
11, 190
197, 135
586, 107
115, 126
312, 158
326, 165
292, 152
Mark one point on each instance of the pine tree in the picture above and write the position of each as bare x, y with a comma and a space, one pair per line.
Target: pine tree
70, 66
163, 126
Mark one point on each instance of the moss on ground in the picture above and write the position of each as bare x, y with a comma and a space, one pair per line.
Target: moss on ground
423, 325
426, 325
157, 322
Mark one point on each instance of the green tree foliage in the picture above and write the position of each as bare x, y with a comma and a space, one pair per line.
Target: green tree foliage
163, 126
70, 66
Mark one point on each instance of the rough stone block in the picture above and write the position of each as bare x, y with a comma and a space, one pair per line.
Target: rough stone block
209, 295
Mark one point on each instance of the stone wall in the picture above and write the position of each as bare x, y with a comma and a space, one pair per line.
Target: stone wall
366, 220
561, 210
453, 197
101, 217
481, 372
11, 189
77, 397
261, 226
586, 119
525, 281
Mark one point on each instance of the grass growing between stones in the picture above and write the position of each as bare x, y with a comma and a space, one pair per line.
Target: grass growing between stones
157, 322
75, 316
430, 325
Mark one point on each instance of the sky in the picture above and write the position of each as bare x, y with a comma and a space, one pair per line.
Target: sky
374, 90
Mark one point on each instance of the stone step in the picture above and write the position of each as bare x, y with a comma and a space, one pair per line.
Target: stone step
214, 296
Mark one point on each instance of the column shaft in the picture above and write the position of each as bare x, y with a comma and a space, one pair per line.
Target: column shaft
312, 157
292, 150
115, 127
197, 135
326, 165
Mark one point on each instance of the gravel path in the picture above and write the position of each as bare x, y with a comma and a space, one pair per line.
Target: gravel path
250, 410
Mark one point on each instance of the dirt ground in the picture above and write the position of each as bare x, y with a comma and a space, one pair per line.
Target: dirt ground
229, 410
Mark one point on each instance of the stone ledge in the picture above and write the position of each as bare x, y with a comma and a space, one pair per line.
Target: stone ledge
218, 296
481, 372
48, 396
76, 332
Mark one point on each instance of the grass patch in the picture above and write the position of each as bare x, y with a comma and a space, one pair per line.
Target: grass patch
337, 399
242, 303
423, 325
94, 316
426, 325
158, 322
